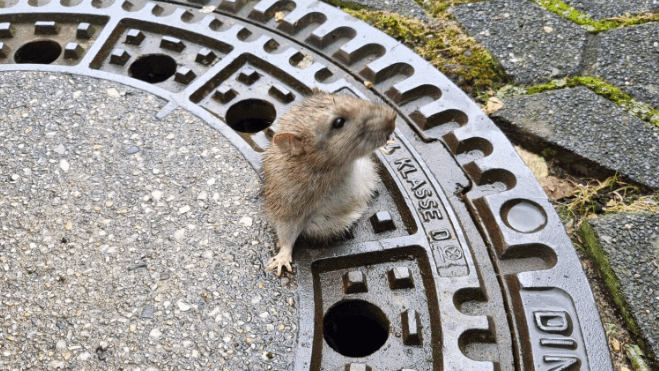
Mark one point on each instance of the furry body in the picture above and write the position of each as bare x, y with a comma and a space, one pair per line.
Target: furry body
320, 182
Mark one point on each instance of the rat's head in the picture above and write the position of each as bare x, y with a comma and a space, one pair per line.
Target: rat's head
335, 129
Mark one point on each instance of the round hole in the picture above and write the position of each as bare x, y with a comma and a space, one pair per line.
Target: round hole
38, 52
153, 68
523, 216
251, 115
355, 328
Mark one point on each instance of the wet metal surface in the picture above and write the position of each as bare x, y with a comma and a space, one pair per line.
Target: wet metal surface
456, 208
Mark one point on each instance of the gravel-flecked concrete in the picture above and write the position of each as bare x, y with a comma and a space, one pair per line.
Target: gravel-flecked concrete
606, 9
582, 123
128, 242
406, 8
631, 243
532, 44
629, 58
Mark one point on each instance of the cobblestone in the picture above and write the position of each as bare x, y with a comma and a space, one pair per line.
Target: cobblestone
532, 44
580, 123
631, 244
628, 57
609, 9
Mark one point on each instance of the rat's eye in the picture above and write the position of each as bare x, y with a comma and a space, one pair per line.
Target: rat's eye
338, 123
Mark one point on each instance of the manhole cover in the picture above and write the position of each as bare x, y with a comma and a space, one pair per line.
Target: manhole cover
460, 263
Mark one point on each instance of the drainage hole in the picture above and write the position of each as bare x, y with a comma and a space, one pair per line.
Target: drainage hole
38, 52
355, 328
153, 68
251, 115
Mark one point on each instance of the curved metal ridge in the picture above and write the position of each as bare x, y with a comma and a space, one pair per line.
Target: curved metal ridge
276, 51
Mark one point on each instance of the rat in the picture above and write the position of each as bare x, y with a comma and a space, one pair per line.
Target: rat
318, 172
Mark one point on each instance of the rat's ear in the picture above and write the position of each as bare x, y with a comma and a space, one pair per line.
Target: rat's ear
317, 90
289, 143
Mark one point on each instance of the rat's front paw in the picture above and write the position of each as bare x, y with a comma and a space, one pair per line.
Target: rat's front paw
283, 259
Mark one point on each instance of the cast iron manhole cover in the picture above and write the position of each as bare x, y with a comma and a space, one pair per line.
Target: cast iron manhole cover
461, 263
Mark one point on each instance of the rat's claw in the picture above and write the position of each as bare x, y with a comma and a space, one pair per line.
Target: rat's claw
280, 260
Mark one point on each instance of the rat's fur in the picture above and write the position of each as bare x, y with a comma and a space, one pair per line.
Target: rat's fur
319, 183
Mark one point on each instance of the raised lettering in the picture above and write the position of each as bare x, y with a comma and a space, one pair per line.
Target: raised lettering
427, 214
559, 343
428, 204
416, 183
440, 235
553, 322
404, 162
405, 172
422, 193
431, 214
566, 363
437, 251
453, 252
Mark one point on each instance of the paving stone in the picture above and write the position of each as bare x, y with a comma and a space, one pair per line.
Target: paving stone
531, 43
407, 8
587, 127
631, 244
629, 58
598, 9
89, 256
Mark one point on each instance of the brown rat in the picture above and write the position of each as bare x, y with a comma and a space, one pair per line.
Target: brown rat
318, 173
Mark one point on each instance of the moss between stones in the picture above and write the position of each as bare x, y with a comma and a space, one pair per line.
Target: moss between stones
443, 43
594, 26
595, 250
643, 111
437, 7
560, 8
635, 355
344, 4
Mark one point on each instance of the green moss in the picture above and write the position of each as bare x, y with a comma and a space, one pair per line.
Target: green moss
344, 4
609, 327
548, 153
595, 250
444, 44
635, 354
641, 110
437, 7
594, 26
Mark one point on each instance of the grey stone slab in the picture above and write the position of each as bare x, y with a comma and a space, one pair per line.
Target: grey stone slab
407, 8
591, 131
152, 259
531, 43
631, 243
598, 9
629, 58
